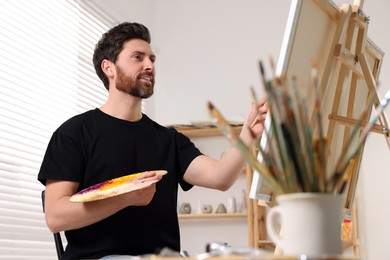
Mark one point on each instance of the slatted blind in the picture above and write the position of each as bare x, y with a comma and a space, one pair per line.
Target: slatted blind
46, 76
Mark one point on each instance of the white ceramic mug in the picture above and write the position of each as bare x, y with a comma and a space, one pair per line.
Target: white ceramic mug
310, 224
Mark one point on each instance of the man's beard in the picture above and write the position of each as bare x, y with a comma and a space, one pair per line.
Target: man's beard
136, 89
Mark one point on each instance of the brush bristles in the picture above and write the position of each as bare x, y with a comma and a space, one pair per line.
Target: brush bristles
210, 106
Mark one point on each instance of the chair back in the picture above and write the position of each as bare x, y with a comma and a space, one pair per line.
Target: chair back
57, 236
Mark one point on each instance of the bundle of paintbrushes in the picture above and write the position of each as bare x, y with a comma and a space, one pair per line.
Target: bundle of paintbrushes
294, 159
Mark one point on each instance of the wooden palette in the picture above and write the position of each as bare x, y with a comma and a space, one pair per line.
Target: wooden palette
114, 187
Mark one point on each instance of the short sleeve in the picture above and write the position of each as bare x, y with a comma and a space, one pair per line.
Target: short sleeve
63, 160
187, 153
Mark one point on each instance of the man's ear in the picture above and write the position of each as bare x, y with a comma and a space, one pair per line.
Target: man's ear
108, 68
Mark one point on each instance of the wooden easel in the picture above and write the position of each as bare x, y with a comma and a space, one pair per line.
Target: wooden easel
352, 64
350, 48
353, 21
257, 233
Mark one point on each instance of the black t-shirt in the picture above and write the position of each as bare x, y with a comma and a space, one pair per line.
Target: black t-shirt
93, 147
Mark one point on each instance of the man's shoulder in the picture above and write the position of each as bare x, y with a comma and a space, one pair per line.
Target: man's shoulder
77, 121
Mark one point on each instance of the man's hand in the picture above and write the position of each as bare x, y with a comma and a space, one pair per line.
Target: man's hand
254, 126
144, 196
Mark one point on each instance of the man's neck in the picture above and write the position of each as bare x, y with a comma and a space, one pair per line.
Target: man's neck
124, 107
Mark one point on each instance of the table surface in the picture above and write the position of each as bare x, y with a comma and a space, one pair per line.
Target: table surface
257, 257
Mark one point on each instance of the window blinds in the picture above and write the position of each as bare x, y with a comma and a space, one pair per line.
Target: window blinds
46, 76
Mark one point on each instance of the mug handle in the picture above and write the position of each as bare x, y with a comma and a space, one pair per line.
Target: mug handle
274, 214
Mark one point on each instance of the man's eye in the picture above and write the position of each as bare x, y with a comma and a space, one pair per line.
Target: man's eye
137, 57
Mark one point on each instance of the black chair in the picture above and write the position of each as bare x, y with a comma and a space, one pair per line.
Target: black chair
57, 236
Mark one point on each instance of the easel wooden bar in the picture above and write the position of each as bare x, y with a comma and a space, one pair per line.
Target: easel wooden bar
350, 122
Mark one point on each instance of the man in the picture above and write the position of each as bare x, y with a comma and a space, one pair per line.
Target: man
118, 139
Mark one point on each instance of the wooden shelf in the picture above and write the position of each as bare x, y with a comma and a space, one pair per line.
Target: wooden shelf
193, 131
212, 215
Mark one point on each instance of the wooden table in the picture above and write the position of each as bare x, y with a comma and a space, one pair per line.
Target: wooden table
256, 257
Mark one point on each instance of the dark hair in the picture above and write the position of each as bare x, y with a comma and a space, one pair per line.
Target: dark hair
111, 44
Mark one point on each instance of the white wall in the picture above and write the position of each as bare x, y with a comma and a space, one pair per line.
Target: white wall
208, 50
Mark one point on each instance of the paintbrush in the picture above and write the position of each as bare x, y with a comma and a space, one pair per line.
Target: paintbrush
272, 65
305, 134
225, 128
272, 161
255, 100
280, 138
345, 179
296, 141
321, 141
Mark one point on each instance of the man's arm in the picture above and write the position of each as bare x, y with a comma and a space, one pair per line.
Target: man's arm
221, 174
62, 214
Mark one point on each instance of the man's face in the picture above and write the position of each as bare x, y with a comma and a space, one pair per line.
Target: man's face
135, 72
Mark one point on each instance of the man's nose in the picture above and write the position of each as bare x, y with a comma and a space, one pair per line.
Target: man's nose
149, 65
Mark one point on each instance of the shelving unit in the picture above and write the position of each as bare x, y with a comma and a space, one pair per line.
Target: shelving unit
213, 215
255, 214
202, 131
193, 220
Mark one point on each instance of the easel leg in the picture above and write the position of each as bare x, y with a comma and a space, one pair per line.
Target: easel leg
355, 230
